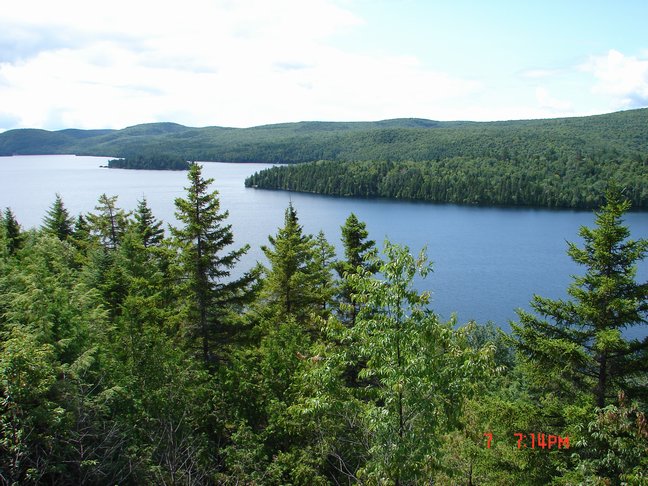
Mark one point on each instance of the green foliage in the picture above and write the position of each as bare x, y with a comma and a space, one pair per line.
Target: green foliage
57, 220
205, 267
572, 180
421, 370
356, 245
401, 139
51, 309
94, 386
356, 249
320, 380
295, 281
614, 447
575, 357
563, 162
12, 233
149, 229
322, 269
586, 331
109, 223
29, 419
150, 162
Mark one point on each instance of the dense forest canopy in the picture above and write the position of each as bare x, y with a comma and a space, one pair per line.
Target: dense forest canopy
577, 182
150, 162
624, 132
131, 356
564, 162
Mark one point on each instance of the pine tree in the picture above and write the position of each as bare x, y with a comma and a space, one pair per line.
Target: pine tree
583, 341
57, 220
205, 265
149, 229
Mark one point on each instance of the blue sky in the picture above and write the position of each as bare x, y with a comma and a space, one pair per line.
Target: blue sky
250, 62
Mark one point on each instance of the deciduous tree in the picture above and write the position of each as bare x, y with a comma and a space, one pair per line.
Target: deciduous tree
421, 370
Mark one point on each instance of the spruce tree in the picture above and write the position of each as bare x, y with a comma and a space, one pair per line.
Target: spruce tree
12, 232
323, 260
57, 220
205, 264
291, 286
356, 249
109, 223
149, 229
581, 339
81, 227
81, 235
81, 238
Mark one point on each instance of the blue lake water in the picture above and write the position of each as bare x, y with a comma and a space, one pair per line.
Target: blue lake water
487, 261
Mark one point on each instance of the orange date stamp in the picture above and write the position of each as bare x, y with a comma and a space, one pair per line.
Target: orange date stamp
537, 440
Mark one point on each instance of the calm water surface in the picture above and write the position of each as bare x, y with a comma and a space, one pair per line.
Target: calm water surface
487, 261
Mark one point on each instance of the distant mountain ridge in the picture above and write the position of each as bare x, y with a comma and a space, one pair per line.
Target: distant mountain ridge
412, 139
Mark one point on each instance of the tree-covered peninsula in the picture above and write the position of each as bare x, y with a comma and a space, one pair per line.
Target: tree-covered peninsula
561, 182
150, 162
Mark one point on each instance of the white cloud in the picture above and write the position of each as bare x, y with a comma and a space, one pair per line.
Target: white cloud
547, 101
622, 78
539, 73
205, 62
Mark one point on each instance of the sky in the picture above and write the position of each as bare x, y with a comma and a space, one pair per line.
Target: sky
242, 63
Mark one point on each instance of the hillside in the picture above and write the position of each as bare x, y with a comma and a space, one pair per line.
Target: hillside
564, 162
401, 139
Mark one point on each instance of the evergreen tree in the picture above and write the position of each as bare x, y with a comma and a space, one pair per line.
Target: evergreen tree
291, 286
51, 314
356, 248
109, 223
323, 260
28, 415
12, 232
57, 221
584, 343
206, 266
149, 229
81, 228
81, 238
173, 397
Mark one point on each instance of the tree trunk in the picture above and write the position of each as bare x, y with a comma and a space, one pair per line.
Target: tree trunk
602, 381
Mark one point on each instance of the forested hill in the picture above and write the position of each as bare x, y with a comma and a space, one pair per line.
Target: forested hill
623, 133
563, 162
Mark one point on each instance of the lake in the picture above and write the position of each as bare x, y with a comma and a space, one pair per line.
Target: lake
487, 261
